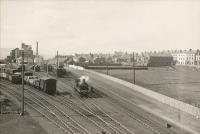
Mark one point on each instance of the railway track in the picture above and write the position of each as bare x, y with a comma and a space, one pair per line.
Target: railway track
97, 109
48, 110
141, 118
97, 120
149, 124
119, 127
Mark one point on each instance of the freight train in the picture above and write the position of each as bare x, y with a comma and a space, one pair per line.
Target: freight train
45, 84
82, 87
10, 75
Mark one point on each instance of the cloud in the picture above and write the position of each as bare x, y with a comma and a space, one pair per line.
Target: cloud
101, 26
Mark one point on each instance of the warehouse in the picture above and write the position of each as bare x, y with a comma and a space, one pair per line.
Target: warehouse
160, 60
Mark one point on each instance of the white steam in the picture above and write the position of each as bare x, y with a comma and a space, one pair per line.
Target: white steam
84, 77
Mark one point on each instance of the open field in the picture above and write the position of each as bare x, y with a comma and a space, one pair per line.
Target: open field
182, 83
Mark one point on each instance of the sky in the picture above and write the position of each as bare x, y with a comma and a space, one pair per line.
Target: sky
84, 26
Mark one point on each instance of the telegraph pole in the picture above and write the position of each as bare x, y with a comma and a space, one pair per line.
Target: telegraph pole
37, 52
133, 68
107, 68
47, 69
22, 112
57, 66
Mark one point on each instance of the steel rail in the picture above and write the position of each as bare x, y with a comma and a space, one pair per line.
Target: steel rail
118, 123
30, 103
144, 121
62, 112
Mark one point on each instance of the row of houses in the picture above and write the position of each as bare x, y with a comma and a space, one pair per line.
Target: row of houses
190, 57
178, 57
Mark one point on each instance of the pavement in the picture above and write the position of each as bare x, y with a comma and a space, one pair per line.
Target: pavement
171, 115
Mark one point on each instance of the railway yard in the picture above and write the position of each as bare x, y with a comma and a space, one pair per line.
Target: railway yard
108, 108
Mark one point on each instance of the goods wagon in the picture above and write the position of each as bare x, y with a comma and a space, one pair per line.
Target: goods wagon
19, 68
36, 68
60, 72
48, 85
10, 74
50, 68
14, 78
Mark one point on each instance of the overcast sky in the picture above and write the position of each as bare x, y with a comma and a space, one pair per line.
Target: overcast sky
100, 26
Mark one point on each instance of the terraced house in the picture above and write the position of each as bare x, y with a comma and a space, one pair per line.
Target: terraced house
190, 57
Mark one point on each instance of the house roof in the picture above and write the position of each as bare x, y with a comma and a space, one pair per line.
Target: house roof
47, 78
160, 55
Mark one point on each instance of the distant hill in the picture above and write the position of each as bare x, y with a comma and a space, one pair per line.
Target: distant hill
4, 52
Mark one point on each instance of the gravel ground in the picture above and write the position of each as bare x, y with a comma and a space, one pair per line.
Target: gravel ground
13, 123
182, 83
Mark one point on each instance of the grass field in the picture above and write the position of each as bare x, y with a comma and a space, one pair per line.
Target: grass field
182, 83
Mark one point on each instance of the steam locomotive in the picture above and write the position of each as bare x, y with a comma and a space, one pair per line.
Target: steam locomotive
82, 87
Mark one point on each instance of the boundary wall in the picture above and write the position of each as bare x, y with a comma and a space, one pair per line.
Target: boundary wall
194, 111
